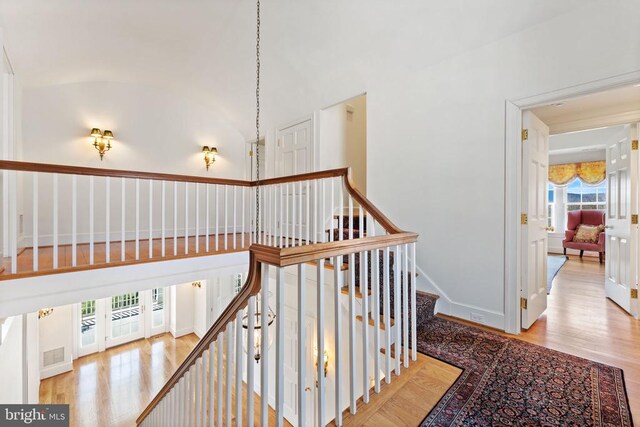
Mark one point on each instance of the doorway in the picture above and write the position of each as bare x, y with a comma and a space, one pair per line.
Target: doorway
570, 115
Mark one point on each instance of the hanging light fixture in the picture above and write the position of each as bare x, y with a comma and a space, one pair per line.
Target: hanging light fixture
257, 333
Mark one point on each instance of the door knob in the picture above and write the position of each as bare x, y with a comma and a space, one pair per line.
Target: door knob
609, 227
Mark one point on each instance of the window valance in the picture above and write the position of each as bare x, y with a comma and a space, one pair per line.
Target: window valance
591, 173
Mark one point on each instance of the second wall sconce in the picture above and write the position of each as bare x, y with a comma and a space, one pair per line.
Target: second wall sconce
101, 140
209, 155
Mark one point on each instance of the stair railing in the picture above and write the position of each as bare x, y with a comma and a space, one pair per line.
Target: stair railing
64, 218
216, 384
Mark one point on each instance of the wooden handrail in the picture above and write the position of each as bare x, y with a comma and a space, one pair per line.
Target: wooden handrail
280, 257
117, 173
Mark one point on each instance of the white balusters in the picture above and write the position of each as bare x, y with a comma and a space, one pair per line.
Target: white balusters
387, 317
315, 211
226, 214
186, 218
229, 372
302, 340
107, 220
137, 219
352, 332
150, 218
405, 304
338, 278
279, 346
300, 221
91, 219
340, 211
197, 233
34, 242
364, 290
307, 224
212, 379
74, 220
123, 213
175, 218
375, 290
264, 347
55, 226
239, 368
322, 209
397, 265
293, 214
219, 362
216, 210
331, 213
163, 218
251, 362
198, 393
320, 313
235, 230
206, 218
414, 342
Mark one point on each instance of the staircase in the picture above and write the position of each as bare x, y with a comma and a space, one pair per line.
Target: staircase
355, 282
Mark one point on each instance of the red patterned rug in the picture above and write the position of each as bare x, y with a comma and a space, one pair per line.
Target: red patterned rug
508, 382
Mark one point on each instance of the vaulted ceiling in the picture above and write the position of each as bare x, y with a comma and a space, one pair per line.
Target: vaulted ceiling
314, 53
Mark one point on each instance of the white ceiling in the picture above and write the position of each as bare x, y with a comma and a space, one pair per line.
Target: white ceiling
314, 52
606, 108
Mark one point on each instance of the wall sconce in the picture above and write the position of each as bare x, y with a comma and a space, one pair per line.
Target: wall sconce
101, 140
44, 312
209, 155
325, 360
196, 284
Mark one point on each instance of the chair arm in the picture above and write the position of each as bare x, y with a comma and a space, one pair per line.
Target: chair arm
601, 238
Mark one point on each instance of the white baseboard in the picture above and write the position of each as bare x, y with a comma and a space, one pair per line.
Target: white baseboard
446, 305
58, 369
182, 332
199, 333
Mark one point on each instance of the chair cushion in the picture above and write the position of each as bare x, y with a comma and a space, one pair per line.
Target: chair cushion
588, 233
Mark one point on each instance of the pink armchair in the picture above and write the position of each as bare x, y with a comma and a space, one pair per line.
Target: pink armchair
589, 217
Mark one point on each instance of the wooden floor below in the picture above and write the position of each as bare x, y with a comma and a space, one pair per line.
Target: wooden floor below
25, 266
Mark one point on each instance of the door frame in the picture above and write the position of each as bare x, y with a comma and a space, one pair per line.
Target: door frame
314, 146
513, 182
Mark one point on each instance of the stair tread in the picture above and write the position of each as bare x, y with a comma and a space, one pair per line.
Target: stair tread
427, 294
372, 322
328, 266
345, 290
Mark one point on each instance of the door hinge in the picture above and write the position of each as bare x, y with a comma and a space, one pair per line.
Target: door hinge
525, 134
634, 293
250, 153
524, 218
634, 144
634, 218
523, 303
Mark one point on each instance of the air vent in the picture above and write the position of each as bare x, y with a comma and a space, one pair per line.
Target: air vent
53, 357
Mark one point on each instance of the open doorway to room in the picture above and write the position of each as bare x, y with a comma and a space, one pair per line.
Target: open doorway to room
580, 200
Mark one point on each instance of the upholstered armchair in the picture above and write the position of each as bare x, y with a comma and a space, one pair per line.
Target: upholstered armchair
587, 217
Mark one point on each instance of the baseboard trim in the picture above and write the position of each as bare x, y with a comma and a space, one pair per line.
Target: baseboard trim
182, 332
467, 312
58, 369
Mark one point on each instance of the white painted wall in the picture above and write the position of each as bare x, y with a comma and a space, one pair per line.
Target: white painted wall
33, 360
343, 139
199, 308
436, 143
11, 357
182, 316
155, 131
55, 331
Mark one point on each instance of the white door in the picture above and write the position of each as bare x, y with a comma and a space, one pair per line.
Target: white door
621, 232
125, 318
157, 314
295, 156
295, 149
535, 159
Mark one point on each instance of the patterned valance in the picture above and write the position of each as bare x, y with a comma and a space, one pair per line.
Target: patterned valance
589, 172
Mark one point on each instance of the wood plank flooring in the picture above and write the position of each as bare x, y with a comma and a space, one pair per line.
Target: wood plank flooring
112, 388
45, 254
580, 320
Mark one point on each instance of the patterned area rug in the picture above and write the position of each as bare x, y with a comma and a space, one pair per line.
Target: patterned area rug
508, 382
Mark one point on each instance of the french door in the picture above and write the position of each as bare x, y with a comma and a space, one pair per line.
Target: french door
113, 321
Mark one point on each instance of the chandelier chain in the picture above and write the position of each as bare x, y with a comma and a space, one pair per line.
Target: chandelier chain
257, 117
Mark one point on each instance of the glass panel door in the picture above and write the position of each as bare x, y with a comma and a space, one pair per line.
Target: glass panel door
158, 311
125, 320
88, 342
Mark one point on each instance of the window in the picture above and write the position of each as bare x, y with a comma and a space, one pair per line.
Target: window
582, 196
551, 198
157, 302
87, 323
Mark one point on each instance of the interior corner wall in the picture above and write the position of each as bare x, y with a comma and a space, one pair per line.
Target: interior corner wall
436, 143
56, 331
182, 309
343, 139
11, 361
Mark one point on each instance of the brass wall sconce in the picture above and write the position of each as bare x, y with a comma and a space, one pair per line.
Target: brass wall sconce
101, 140
209, 155
44, 312
325, 360
196, 284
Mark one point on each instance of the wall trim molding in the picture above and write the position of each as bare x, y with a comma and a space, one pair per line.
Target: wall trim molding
182, 332
58, 369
